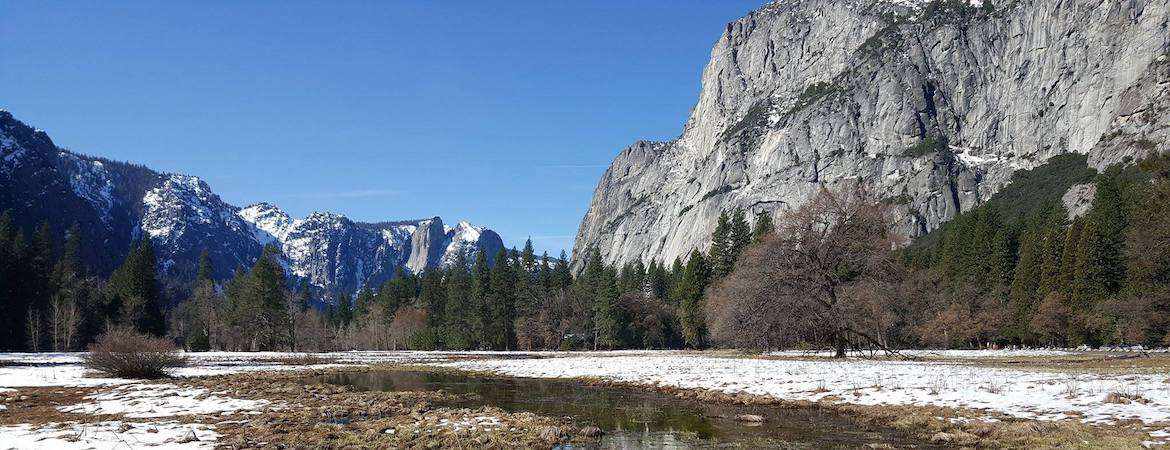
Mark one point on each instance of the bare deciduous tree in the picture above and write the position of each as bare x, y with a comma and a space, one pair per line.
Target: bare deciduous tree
823, 278
34, 327
64, 321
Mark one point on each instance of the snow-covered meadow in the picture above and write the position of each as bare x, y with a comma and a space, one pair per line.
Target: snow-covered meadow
1033, 394
149, 413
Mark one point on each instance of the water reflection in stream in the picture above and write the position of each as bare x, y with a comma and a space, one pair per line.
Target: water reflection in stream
638, 419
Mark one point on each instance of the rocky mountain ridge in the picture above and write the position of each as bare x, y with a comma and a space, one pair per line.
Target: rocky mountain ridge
115, 203
932, 104
332, 251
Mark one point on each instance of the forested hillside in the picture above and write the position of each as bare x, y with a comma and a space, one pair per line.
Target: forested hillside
1017, 270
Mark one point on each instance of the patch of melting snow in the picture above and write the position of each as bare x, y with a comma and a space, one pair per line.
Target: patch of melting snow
109, 435
473, 423
966, 354
1025, 394
159, 400
64, 375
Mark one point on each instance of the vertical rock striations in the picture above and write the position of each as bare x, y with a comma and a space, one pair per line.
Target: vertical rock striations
932, 104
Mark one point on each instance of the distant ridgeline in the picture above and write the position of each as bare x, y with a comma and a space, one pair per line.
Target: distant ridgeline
115, 203
87, 242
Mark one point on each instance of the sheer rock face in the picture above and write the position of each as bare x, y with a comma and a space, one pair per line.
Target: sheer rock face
933, 107
114, 203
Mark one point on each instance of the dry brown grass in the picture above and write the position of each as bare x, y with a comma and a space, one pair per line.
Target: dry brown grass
1125, 398
329, 416
38, 405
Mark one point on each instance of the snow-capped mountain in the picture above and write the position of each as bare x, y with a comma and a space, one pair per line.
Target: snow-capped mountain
334, 252
183, 217
115, 203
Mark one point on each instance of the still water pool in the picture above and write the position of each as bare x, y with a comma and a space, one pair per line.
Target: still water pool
636, 419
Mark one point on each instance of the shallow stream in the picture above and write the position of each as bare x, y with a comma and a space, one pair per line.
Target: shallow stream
637, 419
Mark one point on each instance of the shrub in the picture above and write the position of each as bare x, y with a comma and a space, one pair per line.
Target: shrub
122, 352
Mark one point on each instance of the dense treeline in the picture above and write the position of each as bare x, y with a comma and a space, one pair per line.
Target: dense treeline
1037, 277
521, 302
1015, 271
49, 301
524, 301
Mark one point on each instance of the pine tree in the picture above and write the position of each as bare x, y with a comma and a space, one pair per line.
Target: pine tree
38, 281
597, 286
562, 275
500, 320
266, 299
544, 274
365, 300
461, 308
1069, 249
1089, 283
764, 226
135, 290
1025, 282
740, 237
689, 296
721, 247
528, 257
1053, 232
433, 297
304, 295
12, 306
1109, 219
481, 296
659, 280
69, 294
205, 272
632, 277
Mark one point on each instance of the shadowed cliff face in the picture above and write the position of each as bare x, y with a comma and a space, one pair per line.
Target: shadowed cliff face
932, 104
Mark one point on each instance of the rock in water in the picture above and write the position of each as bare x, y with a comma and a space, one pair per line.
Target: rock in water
750, 418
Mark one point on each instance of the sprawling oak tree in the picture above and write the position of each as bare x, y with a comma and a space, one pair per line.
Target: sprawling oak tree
821, 278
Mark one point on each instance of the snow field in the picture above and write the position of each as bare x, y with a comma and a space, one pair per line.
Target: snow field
1025, 394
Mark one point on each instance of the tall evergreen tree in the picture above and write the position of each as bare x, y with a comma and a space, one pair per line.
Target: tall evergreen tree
740, 236
461, 308
433, 297
689, 297
763, 227
500, 320
135, 290
304, 295
205, 271
364, 302
528, 257
481, 293
562, 275
659, 280
12, 305
720, 254
266, 298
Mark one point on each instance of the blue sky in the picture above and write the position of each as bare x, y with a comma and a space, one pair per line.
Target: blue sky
501, 113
